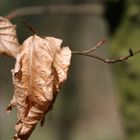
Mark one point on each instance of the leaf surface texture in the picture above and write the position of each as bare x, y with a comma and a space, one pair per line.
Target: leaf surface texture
8, 39
40, 70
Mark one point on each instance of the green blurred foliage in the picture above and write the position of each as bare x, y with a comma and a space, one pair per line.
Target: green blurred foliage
127, 73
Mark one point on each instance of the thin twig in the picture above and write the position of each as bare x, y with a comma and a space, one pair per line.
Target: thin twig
99, 44
29, 27
87, 53
108, 60
83, 9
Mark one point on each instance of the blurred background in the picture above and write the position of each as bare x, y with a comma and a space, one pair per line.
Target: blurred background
98, 101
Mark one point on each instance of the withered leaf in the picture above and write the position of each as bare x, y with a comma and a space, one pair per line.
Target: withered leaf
40, 69
8, 39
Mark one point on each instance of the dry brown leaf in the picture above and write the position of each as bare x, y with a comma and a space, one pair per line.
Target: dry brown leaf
40, 68
8, 39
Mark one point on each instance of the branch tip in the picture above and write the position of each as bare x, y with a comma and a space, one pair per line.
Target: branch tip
131, 52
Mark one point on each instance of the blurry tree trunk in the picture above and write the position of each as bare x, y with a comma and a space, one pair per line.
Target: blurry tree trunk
89, 109
93, 102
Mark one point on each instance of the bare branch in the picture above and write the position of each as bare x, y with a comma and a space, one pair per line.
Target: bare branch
83, 9
61, 10
87, 53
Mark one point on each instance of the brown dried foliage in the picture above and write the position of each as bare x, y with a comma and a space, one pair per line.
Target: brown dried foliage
40, 70
8, 39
